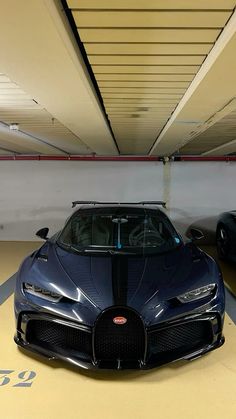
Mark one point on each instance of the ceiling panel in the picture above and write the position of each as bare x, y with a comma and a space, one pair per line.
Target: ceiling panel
5, 152
144, 69
137, 89
18, 142
141, 94
151, 4
38, 53
152, 19
227, 149
146, 59
128, 104
167, 85
146, 54
138, 119
167, 79
151, 101
136, 116
147, 49
221, 133
4, 79
138, 100
39, 132
169, 35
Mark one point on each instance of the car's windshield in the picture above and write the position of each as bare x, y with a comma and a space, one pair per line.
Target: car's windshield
119, 230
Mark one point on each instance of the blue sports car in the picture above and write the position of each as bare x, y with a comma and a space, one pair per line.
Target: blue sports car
119, 288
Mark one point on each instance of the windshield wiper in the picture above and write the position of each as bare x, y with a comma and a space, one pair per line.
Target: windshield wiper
109, 251
93, 250
70, 247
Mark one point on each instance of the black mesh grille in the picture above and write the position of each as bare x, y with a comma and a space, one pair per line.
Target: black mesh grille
59, 338
119, 341
181, 339
123, 342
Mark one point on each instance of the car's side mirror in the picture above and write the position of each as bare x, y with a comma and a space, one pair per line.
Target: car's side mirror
43, 233
196, 234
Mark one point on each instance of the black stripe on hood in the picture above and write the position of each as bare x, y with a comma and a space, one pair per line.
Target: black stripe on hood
120, 279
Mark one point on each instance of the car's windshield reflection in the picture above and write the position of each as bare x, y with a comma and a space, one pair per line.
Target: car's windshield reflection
119, 231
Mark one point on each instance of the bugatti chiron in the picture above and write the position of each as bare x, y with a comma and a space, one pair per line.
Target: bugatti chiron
226, 236
118, 287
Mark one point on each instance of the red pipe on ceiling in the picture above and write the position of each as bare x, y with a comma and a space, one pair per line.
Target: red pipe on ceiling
80, 158
21, 157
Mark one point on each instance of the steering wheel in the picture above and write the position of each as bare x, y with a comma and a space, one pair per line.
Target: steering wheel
151, 237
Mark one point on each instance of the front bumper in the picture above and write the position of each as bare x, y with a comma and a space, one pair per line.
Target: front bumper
211, 321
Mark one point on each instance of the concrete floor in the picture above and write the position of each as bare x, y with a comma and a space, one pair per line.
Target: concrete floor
34, 388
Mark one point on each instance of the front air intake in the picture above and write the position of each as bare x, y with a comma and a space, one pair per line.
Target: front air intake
179, 340
60, 338
119, 336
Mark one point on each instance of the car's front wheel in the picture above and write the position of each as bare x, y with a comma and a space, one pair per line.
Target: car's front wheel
222, 242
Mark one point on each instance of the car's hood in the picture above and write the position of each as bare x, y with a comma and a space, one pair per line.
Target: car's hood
94, 282
134, 281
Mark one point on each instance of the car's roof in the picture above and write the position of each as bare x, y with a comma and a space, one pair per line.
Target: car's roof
108, 205
139, 208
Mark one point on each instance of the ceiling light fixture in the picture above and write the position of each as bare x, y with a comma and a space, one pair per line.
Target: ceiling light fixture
14, 126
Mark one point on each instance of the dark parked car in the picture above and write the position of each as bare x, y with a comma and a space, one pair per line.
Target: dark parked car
226, 236
119, 288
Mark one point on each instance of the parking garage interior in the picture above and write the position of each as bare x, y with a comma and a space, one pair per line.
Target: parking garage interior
115, 101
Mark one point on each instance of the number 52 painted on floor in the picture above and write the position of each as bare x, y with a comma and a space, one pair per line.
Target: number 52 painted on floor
26, 378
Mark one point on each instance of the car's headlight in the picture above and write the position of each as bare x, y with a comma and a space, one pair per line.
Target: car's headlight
40, 292
197, 293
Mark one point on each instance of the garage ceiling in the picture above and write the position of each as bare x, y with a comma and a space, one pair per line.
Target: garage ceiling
118, 76
40, 55
144, 56
219, 138
39, 132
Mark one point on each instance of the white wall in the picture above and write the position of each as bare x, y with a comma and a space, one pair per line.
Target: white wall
35, 194
200, 191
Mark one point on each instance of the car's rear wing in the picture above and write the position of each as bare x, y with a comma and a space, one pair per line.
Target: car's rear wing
161, 203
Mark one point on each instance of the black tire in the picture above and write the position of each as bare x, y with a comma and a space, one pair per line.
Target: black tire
222, 242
